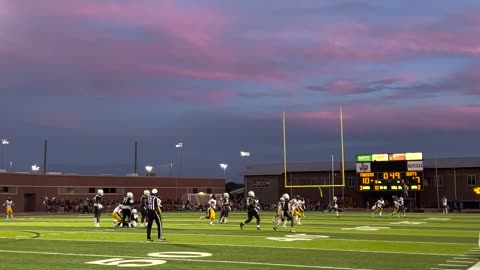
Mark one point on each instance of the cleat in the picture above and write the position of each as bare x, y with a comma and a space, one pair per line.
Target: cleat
162, 238
258, 229
275, 228
292, 230
241, 226
149, 241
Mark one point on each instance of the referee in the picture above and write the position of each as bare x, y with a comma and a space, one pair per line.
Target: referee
154, 213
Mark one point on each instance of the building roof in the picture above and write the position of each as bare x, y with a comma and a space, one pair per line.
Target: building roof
277, 169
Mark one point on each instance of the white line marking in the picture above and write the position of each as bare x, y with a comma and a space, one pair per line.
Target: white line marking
462, 258
434, 268
456, 261
178, 259
454, 265
475, 267
256, 246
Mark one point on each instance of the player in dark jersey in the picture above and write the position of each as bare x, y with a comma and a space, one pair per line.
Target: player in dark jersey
287, 209
127, 205
252, 209
97, 207
225, 208
154, 214
143, 207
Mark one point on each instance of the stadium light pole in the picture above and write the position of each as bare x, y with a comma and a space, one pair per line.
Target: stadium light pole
179, 146
224, 167
4, 142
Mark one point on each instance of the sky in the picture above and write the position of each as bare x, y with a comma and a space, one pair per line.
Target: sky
92, 77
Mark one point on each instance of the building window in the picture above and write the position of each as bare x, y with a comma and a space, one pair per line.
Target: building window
440, 180
8, 190
471, 180
352, 182
323, 181
426, 181
87, 191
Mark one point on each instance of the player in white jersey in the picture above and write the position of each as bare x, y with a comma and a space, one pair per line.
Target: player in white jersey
9, 208
401, 206
445, 205
334, 206
279, 213
212, 205
378, 207
133, 219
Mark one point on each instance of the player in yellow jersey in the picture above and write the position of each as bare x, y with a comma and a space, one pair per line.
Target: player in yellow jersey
8, 207
117, 219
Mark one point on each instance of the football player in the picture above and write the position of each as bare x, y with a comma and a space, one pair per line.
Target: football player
279, 214
143, 206
154, 214
212, 205
445, 205
378, 207
253, 206
127, 205
225, 208
334, 206
301, 206
396, 206
296, 209
117, 218
97, 207
8, 208
401, 206
133, 219
287, 209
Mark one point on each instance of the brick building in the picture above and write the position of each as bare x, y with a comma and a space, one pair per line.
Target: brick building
29, 190
457, 178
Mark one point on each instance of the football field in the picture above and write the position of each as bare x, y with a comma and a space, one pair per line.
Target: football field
353, 241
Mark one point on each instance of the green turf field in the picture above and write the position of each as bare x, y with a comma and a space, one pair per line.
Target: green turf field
354, 241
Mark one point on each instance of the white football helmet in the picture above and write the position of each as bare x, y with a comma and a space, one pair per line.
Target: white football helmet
225, 195
334, 198
146, 192
130, 195
100, 192
286, 196
154, 191
282, 199
251, 194
134, 211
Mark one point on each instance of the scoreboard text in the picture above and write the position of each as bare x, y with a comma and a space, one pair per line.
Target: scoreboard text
390, 172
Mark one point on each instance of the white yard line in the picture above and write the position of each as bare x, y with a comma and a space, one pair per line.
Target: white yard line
178, 259
475, 267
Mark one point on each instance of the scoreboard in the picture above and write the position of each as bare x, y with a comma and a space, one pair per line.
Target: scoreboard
390, 172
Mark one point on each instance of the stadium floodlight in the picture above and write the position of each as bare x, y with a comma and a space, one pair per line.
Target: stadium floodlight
149, 168
5, 141
224, 167
35, 168
179, 145
244, 154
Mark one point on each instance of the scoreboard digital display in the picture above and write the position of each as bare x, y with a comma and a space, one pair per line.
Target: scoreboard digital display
390, 172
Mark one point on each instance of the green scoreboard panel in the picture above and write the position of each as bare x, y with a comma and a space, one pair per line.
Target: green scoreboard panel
390, 172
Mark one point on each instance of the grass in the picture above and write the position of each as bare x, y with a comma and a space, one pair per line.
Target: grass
354, 241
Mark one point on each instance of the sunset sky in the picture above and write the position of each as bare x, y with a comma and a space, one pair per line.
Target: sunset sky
94, 76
